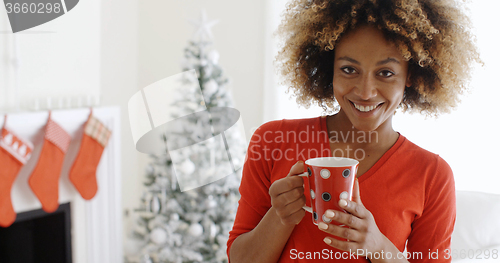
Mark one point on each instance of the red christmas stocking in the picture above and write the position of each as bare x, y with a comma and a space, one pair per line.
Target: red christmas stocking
44, 181
83, 171
14, 153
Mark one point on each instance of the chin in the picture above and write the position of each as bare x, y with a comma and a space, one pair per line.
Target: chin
366, 127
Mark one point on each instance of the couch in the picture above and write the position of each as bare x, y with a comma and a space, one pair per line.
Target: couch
477, 228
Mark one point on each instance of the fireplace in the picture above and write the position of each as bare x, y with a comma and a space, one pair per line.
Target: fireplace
37, 236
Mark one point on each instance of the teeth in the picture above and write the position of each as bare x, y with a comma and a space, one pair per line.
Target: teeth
364, 108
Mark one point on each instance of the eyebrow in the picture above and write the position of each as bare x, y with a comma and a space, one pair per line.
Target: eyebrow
385, 61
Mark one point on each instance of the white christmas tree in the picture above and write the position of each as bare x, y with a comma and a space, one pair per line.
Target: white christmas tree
191, 226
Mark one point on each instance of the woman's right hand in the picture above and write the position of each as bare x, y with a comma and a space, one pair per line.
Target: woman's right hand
287, 196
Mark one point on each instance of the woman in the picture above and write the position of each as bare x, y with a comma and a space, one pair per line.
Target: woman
367, 58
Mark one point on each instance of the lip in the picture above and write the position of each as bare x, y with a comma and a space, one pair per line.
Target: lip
364, 104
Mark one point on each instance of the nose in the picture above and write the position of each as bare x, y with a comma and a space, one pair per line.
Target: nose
366, 88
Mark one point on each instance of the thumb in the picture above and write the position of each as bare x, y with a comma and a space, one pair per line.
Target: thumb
355, 192
297, 168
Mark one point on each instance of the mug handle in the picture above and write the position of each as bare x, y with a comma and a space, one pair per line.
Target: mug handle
307, 208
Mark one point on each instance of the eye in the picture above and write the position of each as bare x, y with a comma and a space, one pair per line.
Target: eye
348, 70
386, 73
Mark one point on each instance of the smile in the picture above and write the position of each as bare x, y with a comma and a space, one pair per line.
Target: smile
365, 108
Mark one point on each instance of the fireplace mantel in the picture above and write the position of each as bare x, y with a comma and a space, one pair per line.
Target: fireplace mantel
96, 224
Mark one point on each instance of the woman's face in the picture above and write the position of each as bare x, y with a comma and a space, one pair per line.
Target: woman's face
370, 76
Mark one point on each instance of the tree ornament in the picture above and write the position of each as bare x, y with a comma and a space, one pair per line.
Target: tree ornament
210, 88
158, 236
203, 27
195, 230
213, 231
210, 202
155, 204
187, 167
174, 217
213, 56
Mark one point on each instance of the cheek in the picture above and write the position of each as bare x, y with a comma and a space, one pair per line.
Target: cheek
395, 95
339, 87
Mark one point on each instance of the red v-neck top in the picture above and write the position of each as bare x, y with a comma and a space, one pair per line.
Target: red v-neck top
409, 191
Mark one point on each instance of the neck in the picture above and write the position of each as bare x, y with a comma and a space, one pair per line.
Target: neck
342, 131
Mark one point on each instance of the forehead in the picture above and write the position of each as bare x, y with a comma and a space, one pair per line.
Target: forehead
366, 42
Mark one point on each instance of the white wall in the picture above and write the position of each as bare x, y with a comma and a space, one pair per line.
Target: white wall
277, 103
119, 51
58, 60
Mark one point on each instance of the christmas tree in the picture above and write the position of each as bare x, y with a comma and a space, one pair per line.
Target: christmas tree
192, 226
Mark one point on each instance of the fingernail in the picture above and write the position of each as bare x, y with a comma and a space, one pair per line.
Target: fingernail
327, 240
343, 203
300, 162
323, 226
329, 213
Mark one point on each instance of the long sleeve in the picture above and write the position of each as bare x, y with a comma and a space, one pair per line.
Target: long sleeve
254, 189
430, 238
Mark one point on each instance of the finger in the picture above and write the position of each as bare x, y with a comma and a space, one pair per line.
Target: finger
349, 220
354, 208
297, 168
293, 207
285, 185
289, 182
342, 232
355, 192
341, 244
288, 197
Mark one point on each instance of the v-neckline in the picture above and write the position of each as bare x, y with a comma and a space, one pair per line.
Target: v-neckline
379, 163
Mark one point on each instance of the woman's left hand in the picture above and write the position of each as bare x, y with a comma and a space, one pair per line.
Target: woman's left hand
363, 234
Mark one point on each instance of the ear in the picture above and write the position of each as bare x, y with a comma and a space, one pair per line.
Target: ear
408, 80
